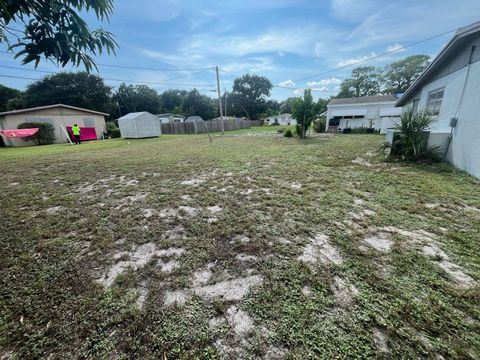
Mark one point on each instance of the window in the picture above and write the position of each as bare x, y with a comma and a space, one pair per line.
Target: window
89, 122
434, 102
415, 105
35, 119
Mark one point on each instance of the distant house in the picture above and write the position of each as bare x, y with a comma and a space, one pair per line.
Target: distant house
282, 119
139, 125
170, 118
378, 112
193, 119
59, 115
450, 88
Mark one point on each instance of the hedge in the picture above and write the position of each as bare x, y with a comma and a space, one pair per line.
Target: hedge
45, 134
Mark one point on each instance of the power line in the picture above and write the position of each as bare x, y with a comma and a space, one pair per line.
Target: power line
138, 67
375, 57
120, 80
284, 87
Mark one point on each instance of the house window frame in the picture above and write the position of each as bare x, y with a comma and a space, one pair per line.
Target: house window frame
434, 105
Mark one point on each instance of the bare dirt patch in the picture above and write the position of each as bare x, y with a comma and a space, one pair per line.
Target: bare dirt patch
361, 161
380, 340
54, 209
379, 241
239, 321
193, 182
320, 249
343, 291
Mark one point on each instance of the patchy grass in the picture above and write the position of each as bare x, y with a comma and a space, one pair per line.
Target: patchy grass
247, 247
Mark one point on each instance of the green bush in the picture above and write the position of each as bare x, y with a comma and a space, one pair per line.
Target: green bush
113, 130
319, 125
45, 134
411, 143
288, 133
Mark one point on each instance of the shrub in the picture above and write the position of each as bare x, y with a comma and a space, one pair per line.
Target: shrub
347, 130
319, 125
411, 143
288, 133
45, 134
113, 130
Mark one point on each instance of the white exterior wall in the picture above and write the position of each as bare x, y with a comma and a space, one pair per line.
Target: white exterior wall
59, 117
283, 119
371, 112
464, 150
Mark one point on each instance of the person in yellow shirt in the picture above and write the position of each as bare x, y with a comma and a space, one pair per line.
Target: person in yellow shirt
76, 133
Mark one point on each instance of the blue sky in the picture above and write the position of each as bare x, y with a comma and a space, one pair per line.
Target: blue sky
280, 39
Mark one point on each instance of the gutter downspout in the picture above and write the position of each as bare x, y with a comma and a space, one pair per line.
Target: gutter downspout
460, 103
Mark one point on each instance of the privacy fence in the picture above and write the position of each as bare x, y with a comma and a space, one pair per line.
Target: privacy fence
202, 127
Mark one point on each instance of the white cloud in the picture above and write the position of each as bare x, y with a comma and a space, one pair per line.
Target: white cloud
354, 60
325, 82
322, 89
258, 64
287, 83
298, 91
395, 48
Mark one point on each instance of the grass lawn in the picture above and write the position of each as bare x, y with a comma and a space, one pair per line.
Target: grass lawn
253, 246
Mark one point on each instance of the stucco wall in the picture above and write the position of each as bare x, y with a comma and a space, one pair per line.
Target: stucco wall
464, 151
59, 116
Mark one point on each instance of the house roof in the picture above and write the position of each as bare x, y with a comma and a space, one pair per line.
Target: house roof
52, 107
170, 114
448, 49
194, 118
363, 100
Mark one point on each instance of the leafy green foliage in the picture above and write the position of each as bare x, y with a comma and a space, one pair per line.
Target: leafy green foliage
45, 134
76, 89
113, 130
399, 75
319, 125
250, 92
199, 105
288, 133
413, 127
54, 29
7, 95
135, 98
364, 81
304, 113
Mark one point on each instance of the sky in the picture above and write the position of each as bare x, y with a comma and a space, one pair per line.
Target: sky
283, 40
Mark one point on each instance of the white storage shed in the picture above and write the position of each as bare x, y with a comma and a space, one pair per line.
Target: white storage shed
139, 125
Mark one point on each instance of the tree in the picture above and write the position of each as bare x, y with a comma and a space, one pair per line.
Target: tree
399, 75
7, 95
77, 89
134, 98
172, 101
321, 106
304, 112
286, 106
54, 29
251, 91
364, 81
199, 105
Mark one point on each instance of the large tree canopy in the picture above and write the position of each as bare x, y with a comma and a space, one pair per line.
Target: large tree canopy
250, 91
364, 81
135, 98
7, 95
54, 30
77, 89
399, 75
172, 101
199, 105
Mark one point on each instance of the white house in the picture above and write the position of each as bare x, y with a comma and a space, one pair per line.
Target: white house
450, 88
170, 118
282, 119
139, 125
378, 112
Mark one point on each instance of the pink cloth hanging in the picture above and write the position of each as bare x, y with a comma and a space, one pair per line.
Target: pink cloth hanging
19, 133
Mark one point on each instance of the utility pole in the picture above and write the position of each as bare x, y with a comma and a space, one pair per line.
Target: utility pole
220, 99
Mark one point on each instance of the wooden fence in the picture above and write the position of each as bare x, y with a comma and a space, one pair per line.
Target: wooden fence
202, 127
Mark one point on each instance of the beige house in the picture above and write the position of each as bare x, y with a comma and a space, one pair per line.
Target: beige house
59, 115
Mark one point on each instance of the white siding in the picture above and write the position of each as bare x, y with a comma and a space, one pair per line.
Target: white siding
139, 125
